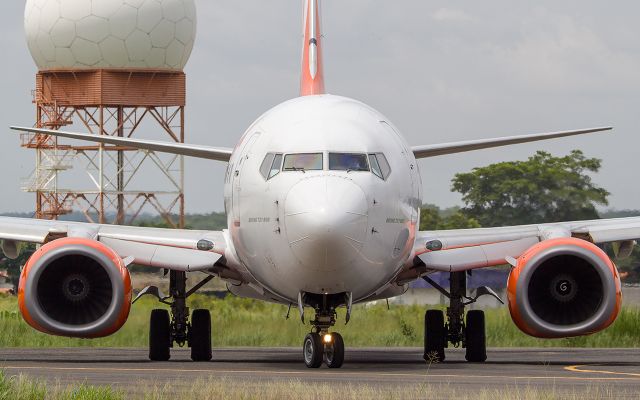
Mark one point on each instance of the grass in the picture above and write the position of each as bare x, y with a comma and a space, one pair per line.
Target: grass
296, 390
243, 322
24, 388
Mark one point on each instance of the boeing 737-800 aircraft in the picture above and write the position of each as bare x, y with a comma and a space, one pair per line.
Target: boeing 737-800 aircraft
322, 195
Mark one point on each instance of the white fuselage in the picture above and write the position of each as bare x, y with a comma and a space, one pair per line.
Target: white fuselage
322, 231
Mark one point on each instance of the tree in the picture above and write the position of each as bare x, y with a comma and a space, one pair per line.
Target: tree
433, 218
542, 189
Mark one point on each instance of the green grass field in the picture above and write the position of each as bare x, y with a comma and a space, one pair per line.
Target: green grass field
24, 388
242, 322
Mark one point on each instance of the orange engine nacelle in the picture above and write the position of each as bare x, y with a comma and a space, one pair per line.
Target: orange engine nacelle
75, 287
564, 287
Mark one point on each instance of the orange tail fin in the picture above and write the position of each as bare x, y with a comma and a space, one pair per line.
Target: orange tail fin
312, 80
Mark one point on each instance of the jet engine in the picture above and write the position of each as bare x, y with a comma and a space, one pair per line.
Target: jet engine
564, 287
75, 287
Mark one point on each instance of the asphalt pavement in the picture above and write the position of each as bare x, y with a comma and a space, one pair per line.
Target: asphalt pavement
544, 368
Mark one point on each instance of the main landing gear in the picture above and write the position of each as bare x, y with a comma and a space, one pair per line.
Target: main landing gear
321, 345
471, 334
169, 328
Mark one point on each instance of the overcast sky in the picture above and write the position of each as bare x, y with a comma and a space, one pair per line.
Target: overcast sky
441, 71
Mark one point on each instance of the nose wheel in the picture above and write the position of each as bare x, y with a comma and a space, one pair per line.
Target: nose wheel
334, 350
328, 348
313, 350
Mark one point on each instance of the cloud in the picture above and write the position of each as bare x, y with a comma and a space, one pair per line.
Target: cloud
451, 15
561, 53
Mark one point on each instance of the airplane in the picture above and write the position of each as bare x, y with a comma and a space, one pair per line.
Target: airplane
322, 195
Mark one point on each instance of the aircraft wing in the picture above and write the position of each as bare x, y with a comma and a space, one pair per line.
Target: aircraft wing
182, 149
466, 249
471, 145
175, 249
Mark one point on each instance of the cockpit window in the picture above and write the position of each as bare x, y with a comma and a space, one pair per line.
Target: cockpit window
275, 167
379, 165
302, 162
375, 167
270, 166
265, 167
348, 162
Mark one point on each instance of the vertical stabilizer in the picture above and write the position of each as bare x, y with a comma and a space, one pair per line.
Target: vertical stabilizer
312, 80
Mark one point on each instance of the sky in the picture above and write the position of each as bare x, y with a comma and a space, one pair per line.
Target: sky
441, 71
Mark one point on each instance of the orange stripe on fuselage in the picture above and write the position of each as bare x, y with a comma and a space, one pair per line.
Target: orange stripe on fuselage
312, 83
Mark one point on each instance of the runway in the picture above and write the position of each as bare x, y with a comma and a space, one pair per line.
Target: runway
555, 369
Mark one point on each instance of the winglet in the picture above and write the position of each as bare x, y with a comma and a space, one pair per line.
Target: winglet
312, 78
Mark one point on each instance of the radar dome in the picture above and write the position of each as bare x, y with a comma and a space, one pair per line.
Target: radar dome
123, 34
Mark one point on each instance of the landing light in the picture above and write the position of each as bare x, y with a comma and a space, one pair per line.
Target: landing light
327, 338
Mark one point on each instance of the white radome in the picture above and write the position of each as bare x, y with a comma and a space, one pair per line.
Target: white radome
123, 34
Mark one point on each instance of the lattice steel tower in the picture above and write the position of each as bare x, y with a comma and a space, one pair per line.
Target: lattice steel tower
109, 68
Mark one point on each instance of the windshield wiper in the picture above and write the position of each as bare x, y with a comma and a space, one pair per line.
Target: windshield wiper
296, 169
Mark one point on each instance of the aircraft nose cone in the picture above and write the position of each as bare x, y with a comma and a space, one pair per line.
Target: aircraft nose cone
326, 220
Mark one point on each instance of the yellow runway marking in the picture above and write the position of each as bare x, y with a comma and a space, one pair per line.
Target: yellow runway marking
580, 368
321, 373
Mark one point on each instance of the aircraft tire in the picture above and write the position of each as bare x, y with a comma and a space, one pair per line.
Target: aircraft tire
475, 337
200, 335
159, 335
435, 336
313, 350
334, 355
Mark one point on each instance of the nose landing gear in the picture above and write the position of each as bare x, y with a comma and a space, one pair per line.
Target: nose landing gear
321, 345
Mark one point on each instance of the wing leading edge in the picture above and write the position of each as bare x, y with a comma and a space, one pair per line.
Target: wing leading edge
472, 145
182, 149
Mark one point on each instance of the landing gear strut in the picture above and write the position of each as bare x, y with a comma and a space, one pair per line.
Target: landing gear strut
165, 330
470, 335
179, 309
321, 345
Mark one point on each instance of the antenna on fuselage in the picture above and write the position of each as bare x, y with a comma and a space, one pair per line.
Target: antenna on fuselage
312, 75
